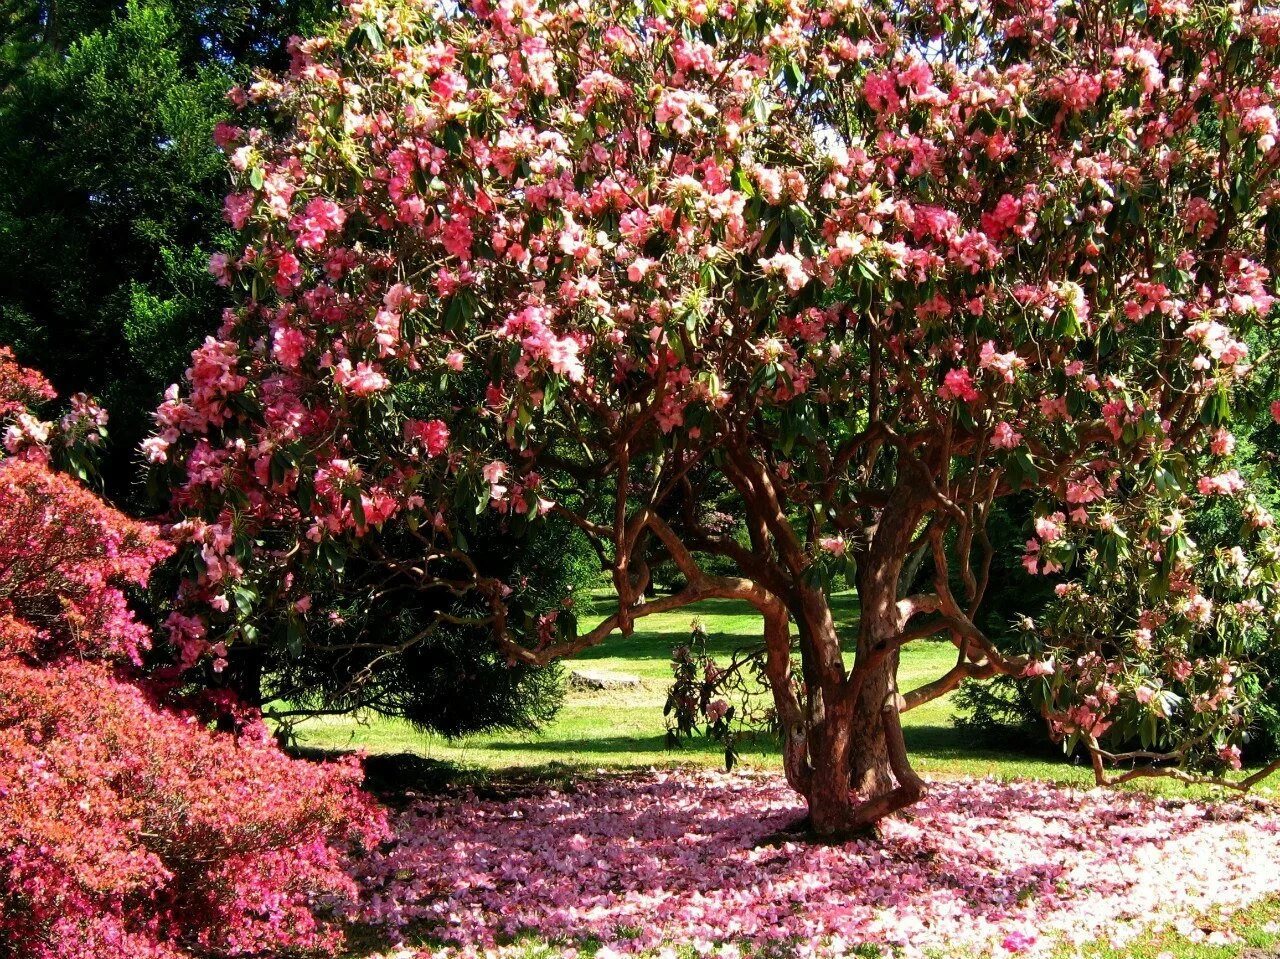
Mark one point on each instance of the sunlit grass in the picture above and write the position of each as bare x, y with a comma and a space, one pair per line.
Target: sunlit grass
624, 728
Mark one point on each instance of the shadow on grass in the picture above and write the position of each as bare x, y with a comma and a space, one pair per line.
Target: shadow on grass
400, 778
956, 742
393, 774
748, 744
936, 742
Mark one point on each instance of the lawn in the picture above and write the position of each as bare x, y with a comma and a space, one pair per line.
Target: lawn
624, 728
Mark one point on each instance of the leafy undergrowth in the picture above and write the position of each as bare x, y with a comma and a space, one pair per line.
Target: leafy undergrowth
678, 863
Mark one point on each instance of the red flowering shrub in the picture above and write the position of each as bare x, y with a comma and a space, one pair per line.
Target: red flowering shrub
63, 553
129, 829
20, 388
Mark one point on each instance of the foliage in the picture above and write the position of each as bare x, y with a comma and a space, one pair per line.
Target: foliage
383, 651
62, 558
1005, 706
110, 204
860, 271
110, 186
127, 828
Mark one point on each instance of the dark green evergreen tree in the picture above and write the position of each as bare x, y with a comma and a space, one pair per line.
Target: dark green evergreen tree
111, 189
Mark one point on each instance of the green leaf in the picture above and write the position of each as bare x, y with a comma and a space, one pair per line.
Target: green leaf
355, 499
1068, 324
1217, 409
295, 634
794, 75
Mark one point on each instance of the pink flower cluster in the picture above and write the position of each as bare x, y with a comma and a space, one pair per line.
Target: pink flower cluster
669, 859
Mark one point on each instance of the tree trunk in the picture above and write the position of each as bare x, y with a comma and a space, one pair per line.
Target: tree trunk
831, 802
860, 771
848, 746
852, 765
871, 772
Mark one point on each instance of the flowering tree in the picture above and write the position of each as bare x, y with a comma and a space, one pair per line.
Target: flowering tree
128, 828
867, 267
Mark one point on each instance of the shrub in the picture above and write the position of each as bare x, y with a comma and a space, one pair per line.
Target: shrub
127, 828
385, 649
64, 555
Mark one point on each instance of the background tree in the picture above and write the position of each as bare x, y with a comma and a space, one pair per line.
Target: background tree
382, 647
110, 188
868, 268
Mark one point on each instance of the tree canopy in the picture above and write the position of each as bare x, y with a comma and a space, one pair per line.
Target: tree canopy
867, 268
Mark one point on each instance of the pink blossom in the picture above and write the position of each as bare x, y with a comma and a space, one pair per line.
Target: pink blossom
789, 266
639, 269
665, 859
1224, 484
433, 435
1222, 443
1005, 364
835, 545
220, 268
236, 209
958, 385
1040, 667
1049, 528
1005, 437
288, 346
320, 218
364, 379
1018, 941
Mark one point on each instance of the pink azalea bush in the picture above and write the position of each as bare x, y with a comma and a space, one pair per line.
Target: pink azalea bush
64, 557
851, 272
684, 860
128, 829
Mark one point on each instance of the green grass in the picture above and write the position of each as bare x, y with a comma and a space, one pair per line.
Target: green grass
624, 728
